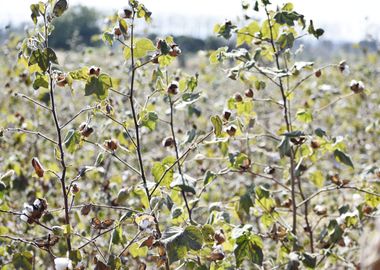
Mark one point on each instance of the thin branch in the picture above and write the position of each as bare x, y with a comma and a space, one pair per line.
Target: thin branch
123, 126
328, 189
37, 133
130, 243
192, 147
335, 101
32, 100
76, 115
177, 156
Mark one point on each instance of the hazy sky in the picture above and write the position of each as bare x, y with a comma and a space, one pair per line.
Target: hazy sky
342, 19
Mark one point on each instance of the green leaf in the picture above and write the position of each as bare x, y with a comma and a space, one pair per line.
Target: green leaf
193, 238
224, 30
320, 132
98, 86
218, 125
72, 140
35, 12
284, 146
80, 74
343, 158
159, 169
287, 17
123, 26
176, 212
208, 233
304, 116
265, 30
75, 256
208, 177
245, 202
149, 119
42, 58
309, 260
107, 38
60, 7
286, 40
40, 81
178, 241
248, 246
185, 183
246, 34
165, 60
317, 178
140, 48
217, 56
22, 260
315, 32
117, 236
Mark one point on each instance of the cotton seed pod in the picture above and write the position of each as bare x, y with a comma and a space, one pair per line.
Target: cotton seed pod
287, 203
87, 131
226, 115
38, 167
238, 97
111, 144
315, 144
61, 80
219, 237
245, 164
125, 13
345, 182
249, 93
109, 109
75, 188
167, 142
344, 68
320, 210
86, 209
93, 70
367, 209
216, 256
357, 86
173, 88
155, 58
117, 32
231, 130
269, 170
175, 50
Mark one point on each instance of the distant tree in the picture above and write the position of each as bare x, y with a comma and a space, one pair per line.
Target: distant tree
75, 27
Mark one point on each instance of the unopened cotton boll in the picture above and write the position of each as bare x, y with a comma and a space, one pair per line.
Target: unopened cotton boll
63, 264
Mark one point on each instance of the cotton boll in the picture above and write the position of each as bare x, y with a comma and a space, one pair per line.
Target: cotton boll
356, 198
23, 217
293, 257
63, 264
346, 71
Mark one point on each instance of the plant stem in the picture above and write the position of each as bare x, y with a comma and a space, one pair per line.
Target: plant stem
136, 125
59, 137
177, 157
289, 128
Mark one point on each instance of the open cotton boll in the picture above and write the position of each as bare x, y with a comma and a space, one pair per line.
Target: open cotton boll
23, 217
63, 264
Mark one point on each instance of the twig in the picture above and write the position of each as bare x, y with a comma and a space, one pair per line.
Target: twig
130, 243
192, 147
76, 115
37, 133
32, 100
